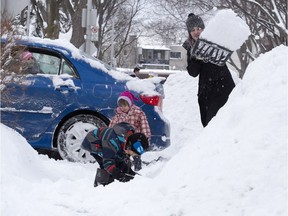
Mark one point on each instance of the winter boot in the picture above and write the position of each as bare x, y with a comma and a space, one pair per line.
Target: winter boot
102, 177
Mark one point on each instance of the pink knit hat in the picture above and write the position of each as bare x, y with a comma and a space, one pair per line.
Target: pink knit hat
127, 96
26, 55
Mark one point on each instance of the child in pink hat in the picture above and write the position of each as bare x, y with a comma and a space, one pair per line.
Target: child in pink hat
128, 112
26, 56
28, 63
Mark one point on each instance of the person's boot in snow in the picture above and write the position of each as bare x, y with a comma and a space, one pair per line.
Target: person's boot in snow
102, 178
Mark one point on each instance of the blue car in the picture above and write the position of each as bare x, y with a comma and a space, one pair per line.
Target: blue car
67, 94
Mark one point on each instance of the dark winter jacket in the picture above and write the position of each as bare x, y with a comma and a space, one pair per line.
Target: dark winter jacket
108, 149
215, 85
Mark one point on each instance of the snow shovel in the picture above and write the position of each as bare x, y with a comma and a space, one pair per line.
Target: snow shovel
208, 51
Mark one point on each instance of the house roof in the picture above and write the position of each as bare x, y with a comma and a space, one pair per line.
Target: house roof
155, 47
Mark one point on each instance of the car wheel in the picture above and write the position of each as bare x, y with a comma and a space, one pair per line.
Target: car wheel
71, 134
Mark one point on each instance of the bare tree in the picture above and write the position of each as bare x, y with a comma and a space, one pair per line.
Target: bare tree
267, 20
53, 26
12, 33
172, 14
75, 13
66, 15
10, 56
124, 14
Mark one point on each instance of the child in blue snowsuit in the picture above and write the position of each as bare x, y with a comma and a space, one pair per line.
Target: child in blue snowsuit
112, 148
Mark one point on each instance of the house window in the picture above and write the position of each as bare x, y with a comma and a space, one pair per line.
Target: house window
176, 55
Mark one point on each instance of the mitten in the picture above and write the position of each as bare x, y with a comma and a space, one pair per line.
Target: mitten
116, 173
130, 172
120, 176
186, 45
126, 165
137, 162
125, 177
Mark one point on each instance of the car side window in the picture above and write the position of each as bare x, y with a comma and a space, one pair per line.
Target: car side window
67, 69
22, 61
37, 61
48, 64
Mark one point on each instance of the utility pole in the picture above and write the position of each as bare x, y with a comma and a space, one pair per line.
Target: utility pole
28, 18
88, 29
89, 21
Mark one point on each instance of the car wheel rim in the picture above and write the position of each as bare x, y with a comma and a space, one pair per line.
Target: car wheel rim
73, 140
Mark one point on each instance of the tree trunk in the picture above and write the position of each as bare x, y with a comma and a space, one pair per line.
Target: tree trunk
78, 32
53, 27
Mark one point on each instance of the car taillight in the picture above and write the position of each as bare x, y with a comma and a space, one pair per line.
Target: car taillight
155, 100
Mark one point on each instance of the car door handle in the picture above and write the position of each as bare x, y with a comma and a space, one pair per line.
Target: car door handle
65, 88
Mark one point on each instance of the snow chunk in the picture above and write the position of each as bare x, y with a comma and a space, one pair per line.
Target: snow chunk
226, 29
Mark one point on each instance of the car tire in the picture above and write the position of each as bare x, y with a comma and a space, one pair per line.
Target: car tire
71, 134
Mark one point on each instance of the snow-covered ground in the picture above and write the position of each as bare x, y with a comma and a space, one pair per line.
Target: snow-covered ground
236, 166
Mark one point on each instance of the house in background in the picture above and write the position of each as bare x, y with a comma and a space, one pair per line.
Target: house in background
153, 51
141, 52
153, 54
178, 57
128, 57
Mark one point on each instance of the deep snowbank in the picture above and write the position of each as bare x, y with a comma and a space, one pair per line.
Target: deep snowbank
236, 166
